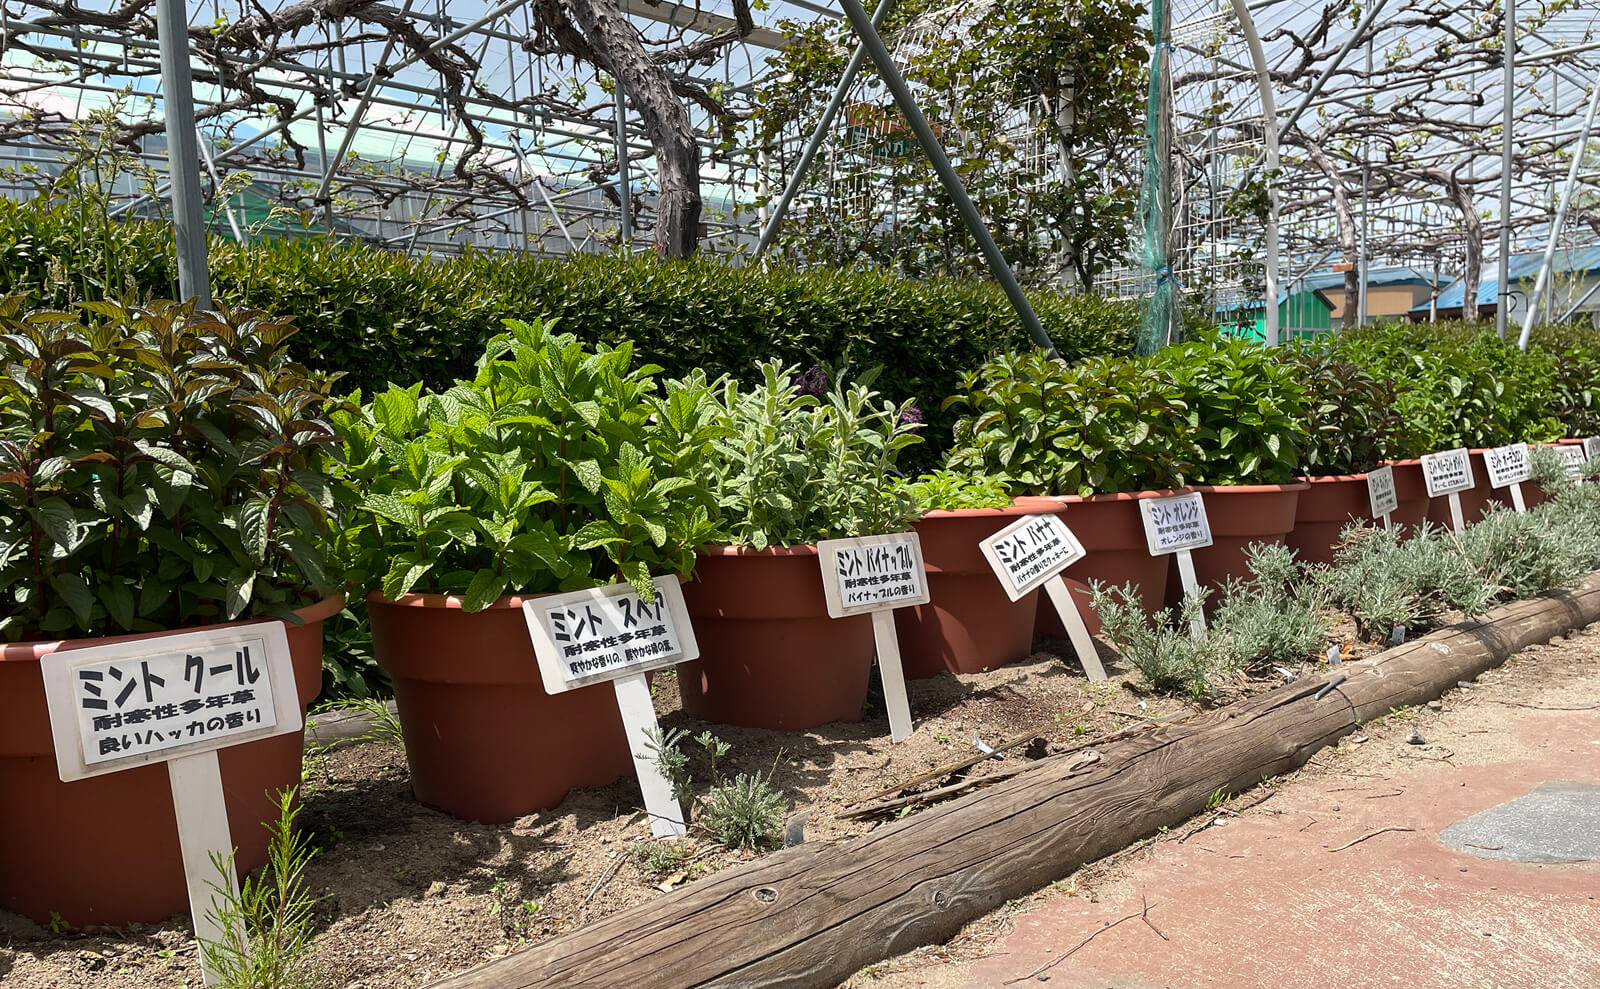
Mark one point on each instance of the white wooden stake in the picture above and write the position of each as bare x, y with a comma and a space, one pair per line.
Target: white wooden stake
1077, 631
638, 721
1516, 497
894, 676
202, 814
1388, 523
1455, 512
1191, 587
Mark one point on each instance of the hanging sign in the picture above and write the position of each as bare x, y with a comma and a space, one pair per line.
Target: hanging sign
1572, 460
1447, 472
176, 699
1032, 552
1178, 524
1381, 493
875, 575
613, 633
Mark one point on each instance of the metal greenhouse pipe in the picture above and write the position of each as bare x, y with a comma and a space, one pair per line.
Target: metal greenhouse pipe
188, 213
809, 153
1508, 100
947, 173
1561, 218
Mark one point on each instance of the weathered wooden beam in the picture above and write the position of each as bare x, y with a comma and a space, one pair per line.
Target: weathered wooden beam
808, 917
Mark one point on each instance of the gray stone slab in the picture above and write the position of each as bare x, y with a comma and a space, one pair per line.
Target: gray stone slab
1558, 822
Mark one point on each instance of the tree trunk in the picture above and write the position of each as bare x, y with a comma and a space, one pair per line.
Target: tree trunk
1347, 228
1472, 233
616, 44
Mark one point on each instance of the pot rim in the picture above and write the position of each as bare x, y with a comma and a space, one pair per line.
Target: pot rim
1251, 488
1330, 478
1016, 508
34, 650
1102, 498
734, 549
454, 602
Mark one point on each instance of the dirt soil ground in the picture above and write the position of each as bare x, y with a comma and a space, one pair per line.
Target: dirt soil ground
411, 894
1335, 874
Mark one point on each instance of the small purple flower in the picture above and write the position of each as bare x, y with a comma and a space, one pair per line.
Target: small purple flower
813, 382
912, 417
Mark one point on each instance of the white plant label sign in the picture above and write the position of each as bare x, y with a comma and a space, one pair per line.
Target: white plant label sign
1028, 552
1174, 523
1447, 472
1507, 465
872, 573
1381, 493
614, 633
175, 699
1591, 447
875, 575
1572, 460
605, 633
1032, 552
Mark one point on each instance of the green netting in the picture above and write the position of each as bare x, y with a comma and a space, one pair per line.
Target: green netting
1161, 311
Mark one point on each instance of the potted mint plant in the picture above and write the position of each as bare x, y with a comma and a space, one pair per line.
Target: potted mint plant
555, 468
969, 623
161, 470
790, 469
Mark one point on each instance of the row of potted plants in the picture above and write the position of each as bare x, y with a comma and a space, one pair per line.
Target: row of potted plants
164, 469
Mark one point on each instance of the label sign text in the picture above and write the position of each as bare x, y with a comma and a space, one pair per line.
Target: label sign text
1507, 465
1447, 471
872, 573
1572, 460
1175, 522
1380, 491
1030, 551
148, 700
603, 633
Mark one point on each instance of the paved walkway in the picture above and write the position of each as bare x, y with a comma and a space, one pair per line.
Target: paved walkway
1340, 877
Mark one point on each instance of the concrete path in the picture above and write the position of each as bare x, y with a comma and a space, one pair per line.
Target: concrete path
1338, 876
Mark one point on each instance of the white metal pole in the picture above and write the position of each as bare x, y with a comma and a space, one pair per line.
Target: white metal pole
1561, 216
1503, 298
1269, 127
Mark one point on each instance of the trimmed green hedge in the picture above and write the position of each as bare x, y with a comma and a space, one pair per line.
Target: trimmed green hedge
381, 317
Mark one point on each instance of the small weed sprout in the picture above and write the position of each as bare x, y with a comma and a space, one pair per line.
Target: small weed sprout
267, 922
744, 814
660, 858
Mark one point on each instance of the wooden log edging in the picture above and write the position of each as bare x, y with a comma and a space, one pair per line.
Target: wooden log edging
810, 916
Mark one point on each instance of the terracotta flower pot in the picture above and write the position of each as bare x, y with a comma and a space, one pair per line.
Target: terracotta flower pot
1410, 493
104, 850
1240, 514
1112, 534
770, 657
483, 740
969, 625
1324, 509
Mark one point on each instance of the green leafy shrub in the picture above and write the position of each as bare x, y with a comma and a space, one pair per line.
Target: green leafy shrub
790, 470
554, 468
948, 490
387, 317
158, 469
1353, 420
1040, 426
1246, 409
746, 813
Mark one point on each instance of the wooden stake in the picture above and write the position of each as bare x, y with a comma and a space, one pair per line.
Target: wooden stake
894, 676
202, 813
639, 721
1455, 512
1077, 631
1191, 587
1516, 497
1388, 523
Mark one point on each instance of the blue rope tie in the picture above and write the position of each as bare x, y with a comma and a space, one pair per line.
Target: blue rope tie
1164, 274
